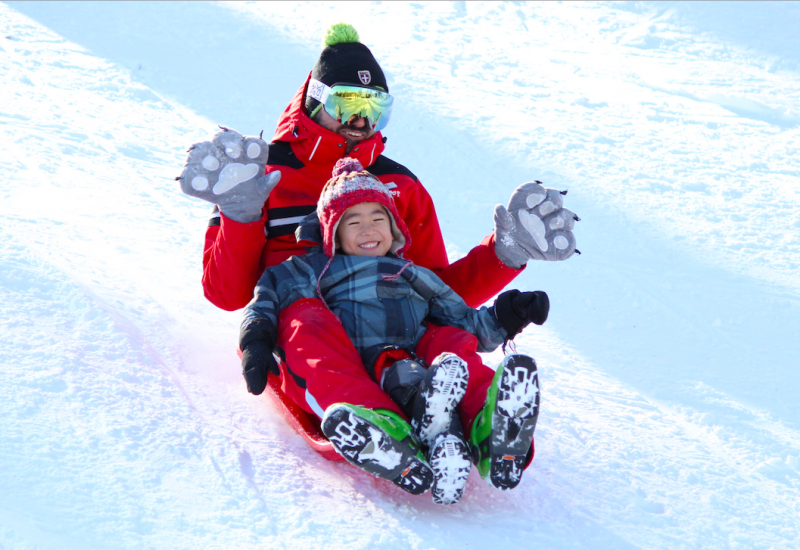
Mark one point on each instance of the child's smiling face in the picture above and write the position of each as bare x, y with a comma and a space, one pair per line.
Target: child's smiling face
365, 230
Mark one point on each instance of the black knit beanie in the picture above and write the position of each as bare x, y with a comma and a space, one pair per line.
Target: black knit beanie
345, 59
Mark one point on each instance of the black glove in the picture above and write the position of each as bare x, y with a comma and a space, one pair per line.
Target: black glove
257, 363
515, 309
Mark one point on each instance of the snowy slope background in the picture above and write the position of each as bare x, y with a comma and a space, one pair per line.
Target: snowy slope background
670, 414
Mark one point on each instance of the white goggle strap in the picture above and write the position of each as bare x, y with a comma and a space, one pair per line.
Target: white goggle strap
318, 90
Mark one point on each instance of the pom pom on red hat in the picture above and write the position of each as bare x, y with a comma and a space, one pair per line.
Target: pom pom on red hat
346, 165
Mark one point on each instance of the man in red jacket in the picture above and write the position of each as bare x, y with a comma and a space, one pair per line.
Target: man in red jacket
339, 111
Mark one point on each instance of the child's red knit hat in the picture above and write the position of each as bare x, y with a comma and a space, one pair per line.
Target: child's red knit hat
349, 186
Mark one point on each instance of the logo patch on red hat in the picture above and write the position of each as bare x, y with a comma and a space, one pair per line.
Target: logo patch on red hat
365, 77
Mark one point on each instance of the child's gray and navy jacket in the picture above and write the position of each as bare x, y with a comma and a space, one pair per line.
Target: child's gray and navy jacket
374, 308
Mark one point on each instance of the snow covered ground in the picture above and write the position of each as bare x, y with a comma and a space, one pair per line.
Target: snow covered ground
671, 416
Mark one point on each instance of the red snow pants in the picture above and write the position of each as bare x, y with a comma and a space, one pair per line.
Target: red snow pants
322, 366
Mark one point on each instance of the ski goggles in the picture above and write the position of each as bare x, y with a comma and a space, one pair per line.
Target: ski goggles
345, 102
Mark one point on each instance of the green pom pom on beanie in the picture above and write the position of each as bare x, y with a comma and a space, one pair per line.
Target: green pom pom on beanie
340, 33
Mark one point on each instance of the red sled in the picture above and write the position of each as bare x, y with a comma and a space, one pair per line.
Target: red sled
304, 423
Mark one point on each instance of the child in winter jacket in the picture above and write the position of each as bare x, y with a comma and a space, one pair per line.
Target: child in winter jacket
391, 310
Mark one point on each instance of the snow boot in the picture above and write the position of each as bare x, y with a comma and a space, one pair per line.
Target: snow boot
451, 462
402, 381
437, 426
502, 433
379, 442
440, 392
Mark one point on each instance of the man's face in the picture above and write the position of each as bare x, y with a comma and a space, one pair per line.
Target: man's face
365, 230
354, 131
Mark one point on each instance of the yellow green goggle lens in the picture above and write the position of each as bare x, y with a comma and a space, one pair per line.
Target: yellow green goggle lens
344, 102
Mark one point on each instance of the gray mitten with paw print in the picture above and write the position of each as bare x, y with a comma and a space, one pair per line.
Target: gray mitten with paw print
229, 172
535, 226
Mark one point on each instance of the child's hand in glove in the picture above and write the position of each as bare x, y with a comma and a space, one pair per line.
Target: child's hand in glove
535, 226
257, 363
515, 310
229, 172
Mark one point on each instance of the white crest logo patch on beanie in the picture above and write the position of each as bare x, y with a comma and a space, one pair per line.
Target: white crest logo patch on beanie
365, 77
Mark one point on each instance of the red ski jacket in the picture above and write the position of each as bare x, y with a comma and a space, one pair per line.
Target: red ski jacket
236, 254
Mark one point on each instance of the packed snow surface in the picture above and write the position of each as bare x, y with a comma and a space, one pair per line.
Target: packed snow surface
670, 415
